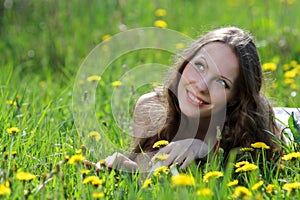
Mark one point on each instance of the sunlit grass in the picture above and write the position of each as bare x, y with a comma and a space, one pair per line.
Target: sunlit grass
42, 154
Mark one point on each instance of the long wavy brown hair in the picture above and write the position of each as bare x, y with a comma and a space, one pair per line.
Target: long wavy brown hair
249, 115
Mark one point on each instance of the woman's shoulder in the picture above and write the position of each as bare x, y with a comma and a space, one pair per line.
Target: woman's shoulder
151, 98
155, 97
148, 96
149, 114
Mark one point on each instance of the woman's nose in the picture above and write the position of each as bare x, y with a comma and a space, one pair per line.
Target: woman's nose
202, 85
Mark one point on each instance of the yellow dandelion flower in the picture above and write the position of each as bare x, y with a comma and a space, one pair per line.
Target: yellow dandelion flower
247, 167
67, 157
84, 171
161, 157
147, 183
13, 153
102, 162
97, 182
232, 183
286, 67
98, 195
116, 83
290, 74
81, 82
93, 78
95, 135
160, 144
76, 159
257, 185
281, 166
11, 103
258, 196
103, 122
179, 46
269, 188
293, 63
79, 151
274, 85
162, 169
239, 164
42, 83
4, 189
24, 176
182, 180
160, 12
290, 2
293, 86
154, 84
205, 192
290, 156
13, 130
160, 24
211, 174
289, 81
6, 184
90, 179
260, 145
241, 191
291, 186
270, 66
106, 37
246, 149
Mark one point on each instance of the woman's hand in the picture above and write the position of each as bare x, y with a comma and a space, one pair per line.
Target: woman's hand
183, 152
119, 161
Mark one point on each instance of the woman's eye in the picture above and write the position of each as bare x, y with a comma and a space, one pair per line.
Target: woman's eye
223, 83
200, 66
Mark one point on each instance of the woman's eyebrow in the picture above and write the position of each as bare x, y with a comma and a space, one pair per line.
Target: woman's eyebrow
201, 58
224, 77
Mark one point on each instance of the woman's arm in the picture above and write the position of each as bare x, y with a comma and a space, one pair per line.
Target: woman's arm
145, 125
149, 116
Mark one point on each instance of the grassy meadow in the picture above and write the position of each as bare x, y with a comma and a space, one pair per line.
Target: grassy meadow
43, 154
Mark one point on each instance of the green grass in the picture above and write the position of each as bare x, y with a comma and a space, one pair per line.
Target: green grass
43, 44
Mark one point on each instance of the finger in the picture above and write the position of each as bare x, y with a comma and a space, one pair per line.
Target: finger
186, 162
180, 159
130, 165
109, 162
112, 160
165, 150
171, 159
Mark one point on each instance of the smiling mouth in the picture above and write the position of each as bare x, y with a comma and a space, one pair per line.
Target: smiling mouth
195, 100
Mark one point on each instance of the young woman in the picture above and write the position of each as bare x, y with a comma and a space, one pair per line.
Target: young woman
216, 84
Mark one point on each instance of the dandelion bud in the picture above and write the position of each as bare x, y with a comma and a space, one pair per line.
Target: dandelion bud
87, 163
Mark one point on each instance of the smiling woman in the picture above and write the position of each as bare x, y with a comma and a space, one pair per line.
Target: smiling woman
216, 84
206, 84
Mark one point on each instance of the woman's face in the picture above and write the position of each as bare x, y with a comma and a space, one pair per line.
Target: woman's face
206, 84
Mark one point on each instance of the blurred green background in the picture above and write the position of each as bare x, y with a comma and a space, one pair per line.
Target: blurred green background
45, 41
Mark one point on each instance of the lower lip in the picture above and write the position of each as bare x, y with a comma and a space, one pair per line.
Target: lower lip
192, 101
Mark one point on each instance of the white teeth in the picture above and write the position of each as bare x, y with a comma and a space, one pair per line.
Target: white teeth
192, 97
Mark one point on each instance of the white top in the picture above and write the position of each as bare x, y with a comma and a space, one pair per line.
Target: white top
282, 114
